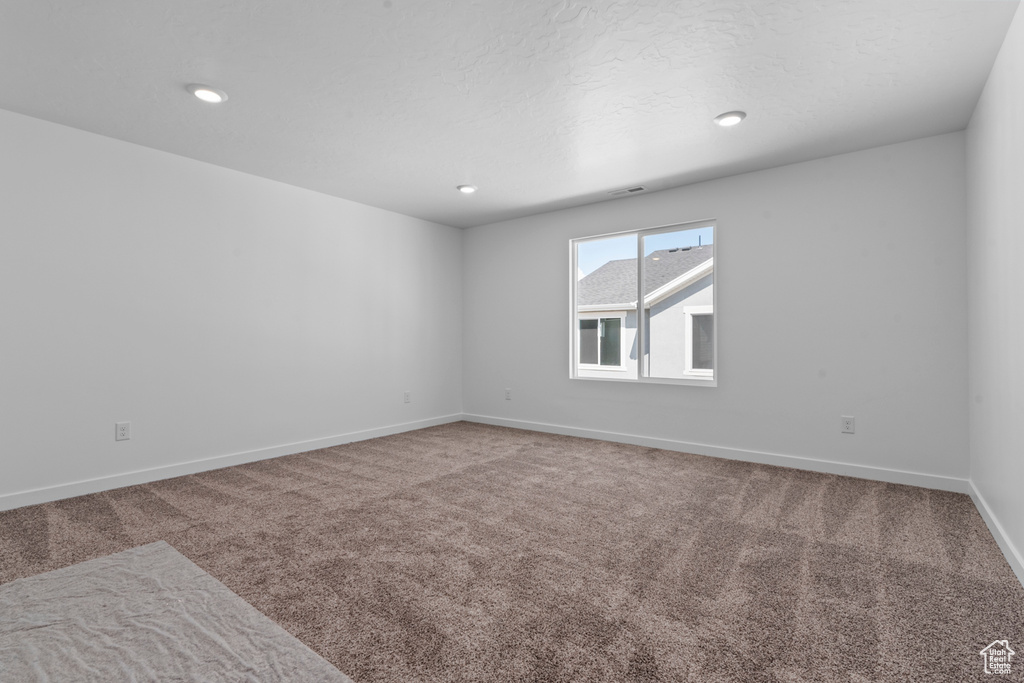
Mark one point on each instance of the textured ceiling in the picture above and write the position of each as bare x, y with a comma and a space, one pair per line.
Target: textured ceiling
541, 104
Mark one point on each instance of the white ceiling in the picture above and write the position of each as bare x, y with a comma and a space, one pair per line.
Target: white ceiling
543, 105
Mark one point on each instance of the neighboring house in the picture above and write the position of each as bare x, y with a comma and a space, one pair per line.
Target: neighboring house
678, 304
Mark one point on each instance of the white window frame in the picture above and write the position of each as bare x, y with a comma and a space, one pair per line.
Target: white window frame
688, 369
691, 377
603, 315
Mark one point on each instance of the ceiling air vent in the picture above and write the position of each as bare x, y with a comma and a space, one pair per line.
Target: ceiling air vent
628, 190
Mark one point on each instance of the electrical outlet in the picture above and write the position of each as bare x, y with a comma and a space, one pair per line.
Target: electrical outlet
508, 394
847, 424
122, 431
408, 397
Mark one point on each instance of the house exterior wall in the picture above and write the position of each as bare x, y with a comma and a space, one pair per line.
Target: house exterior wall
666, 350
666, 347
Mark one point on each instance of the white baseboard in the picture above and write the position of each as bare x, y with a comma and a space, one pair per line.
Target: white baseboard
43, 495
931, 481
19, 499
1010, 552
1013, 556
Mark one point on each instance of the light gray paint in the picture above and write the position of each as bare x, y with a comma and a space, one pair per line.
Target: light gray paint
541, 104
219, 312
876, 242
995, 147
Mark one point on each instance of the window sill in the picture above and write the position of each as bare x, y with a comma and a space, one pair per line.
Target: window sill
688, 381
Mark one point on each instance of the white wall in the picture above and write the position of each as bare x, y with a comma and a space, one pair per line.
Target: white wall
842, 291
219, 312
995, 153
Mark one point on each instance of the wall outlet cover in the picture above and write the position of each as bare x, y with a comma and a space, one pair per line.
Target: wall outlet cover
122, 431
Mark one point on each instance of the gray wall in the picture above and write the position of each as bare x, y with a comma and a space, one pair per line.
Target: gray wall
222, 314
863, 253
996, 276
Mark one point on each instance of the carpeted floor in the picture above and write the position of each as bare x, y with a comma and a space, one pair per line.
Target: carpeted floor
474, 553
143, 614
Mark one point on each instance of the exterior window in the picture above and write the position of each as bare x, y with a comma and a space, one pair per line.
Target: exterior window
702, 336
700, 341
643, 305
600, 342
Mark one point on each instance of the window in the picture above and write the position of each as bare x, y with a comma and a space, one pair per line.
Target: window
643, 305
700, 341
601, 342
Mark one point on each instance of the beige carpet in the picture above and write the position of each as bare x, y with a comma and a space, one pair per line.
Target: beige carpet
474, 553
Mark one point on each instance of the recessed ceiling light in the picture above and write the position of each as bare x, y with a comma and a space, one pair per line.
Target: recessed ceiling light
466, 189
207, 94
730, 118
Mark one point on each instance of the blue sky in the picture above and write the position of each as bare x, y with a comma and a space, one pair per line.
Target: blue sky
592, 255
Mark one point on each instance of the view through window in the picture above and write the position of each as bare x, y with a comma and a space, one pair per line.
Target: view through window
651, 290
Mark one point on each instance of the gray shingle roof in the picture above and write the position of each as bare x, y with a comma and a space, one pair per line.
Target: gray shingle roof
615, 281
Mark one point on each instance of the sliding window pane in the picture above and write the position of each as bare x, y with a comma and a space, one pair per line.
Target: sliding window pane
588, 341
678, 277
606, 294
